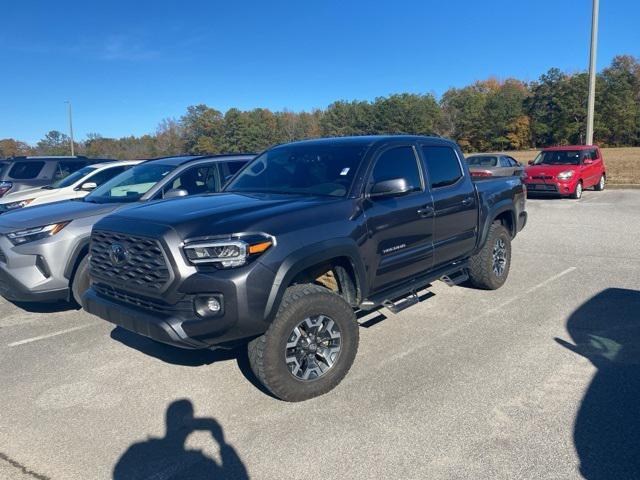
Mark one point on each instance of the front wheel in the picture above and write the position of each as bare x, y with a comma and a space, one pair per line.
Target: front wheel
577, 193
80, 283
489, 268
309, 347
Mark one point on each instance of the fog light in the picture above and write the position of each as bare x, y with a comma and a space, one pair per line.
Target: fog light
209, 305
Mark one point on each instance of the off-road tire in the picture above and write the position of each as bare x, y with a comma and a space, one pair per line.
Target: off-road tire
601, 183
80, 282
267, 352
481, 265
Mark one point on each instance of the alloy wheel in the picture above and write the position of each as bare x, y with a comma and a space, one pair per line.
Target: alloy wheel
313, 347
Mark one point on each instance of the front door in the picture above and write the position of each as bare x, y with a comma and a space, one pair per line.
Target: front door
400, 228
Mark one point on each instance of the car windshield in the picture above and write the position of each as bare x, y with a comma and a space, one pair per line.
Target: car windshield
131, 185
71, 179
559, 157
326, 170
482, 161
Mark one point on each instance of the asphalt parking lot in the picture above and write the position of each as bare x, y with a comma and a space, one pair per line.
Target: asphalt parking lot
539, 379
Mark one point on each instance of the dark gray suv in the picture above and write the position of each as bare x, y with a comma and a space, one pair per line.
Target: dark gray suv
21, 173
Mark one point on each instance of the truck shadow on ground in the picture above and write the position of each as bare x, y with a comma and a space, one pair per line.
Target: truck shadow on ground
187, 357
168, 457
606, 330
53, 307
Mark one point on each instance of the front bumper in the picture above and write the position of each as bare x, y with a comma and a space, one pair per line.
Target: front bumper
13, 290
244, 292
550, 187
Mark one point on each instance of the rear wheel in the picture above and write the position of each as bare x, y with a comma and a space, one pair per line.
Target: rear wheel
80, 283
577, 193
489, 268
601, 184
309, 347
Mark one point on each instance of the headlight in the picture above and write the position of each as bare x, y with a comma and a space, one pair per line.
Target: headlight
227, 253
20, 204
32, 234
565, 175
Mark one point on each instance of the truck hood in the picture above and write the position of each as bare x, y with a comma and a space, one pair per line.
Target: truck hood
226, 213
549, 169
52, 213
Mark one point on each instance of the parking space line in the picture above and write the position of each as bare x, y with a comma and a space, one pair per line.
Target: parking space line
49, 335
530, 290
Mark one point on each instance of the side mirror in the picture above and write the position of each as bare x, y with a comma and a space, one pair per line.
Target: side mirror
530, 162
587, 161
176, 193
391, 188
88, 186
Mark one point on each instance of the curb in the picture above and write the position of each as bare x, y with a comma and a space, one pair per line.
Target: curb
621, 186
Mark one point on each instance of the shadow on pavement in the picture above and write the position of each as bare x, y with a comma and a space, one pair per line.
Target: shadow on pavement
168, 457
606, 330
53, 307
187, 357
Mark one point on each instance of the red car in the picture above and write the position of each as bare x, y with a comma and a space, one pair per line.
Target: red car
566, 171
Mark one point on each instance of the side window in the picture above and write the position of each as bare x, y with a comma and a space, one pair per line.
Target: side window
504, 162
234, 167
66, 168
196, 180
398, 162
442, 165
513, 162
594, 154
105, 175
26, 170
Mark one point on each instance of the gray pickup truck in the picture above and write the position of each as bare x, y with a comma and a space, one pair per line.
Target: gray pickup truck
43, 249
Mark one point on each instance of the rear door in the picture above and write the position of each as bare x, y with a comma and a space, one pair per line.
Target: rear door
400, 228
454, 203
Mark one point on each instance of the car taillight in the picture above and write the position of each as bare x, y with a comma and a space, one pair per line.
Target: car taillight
481, 173
5, 187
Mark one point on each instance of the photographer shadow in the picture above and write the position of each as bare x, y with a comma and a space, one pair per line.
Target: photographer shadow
606, 330
168, 457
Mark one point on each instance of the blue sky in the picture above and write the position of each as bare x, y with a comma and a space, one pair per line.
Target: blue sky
127, 65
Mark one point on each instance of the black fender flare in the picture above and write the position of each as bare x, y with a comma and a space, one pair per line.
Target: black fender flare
74, 258
308, 256
498, 209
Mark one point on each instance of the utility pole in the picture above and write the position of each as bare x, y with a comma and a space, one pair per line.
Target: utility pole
68, 102
592, 71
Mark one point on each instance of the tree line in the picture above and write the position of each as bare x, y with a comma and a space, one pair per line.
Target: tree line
487, 115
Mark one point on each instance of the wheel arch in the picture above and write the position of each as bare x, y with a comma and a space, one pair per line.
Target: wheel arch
503, 212
305, 266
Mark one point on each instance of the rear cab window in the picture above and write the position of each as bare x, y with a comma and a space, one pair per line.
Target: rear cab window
26, 170
443, 166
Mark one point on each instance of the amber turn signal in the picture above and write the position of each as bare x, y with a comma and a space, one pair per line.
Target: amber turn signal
259, 247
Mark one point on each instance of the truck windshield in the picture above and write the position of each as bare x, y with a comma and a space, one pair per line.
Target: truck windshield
325, 170
559, 157
129, 186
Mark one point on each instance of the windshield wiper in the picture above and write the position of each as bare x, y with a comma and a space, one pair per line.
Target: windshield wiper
47, 187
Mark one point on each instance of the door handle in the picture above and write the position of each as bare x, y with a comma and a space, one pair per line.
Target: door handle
467, 201
425, 211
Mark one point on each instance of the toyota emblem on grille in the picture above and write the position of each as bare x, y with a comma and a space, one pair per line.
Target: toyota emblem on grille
118, 254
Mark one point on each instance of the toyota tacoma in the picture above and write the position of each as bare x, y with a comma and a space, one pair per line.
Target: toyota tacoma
299, 240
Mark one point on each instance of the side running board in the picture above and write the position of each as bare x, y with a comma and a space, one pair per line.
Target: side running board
456, 278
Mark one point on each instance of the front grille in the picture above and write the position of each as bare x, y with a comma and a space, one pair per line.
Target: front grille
542, 177
542, 187
3, 257
138, 301
143, 265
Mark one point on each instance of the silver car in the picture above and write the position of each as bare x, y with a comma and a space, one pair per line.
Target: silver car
494, 165
43, 249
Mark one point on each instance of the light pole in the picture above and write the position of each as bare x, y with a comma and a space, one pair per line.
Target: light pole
592, 71
68, 102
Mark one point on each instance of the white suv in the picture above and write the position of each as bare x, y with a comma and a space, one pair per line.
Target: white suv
76, 185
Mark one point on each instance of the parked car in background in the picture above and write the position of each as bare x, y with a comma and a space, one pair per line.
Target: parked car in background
43, 249
76, 185
30, 172
299, 239
566, 171
493, 164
